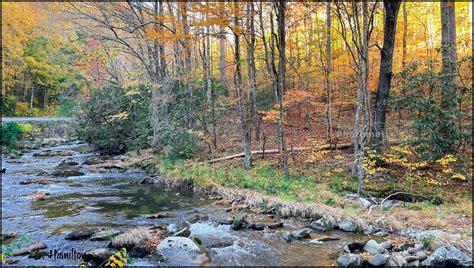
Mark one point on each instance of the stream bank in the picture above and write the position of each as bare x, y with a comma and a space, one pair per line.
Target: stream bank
73, 199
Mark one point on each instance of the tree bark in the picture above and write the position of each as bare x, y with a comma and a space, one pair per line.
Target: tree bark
222, 55
385, 73
405, 36
251, 71
281, 6
238, 83
328, 75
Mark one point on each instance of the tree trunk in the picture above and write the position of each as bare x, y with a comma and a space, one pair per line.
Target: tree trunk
32, 96
251, 71
238, 83
222, 55
281, 5
385, 73
405, 35
328, 75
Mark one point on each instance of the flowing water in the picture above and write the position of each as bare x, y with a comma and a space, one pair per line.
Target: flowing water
116, 199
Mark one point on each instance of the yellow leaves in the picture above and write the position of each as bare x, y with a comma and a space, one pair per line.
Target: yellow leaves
447, 159
459, 176
119, 116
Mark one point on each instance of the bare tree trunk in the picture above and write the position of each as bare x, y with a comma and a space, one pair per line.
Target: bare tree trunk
251, 71
328, 75
208, 82
238, 83
222, 55
187, 67
32, 96
385, 73
281, 5
405, 35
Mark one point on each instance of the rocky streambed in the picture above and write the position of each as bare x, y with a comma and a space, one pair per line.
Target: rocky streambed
65, 204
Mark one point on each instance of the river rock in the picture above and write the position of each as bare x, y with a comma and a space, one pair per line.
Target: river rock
421, 255
300, 234
139, 250
185, 232
49, 153
373, 247
355, 197
162, 214
347, 225
350, 260
221, 244
104, 235
98, 256
8, 235
67, 172
80, 234
396, 260
369, 230
287, 236
378, 260
171, 228
131, 237
352, 247
316, 242
256, 226
179, 243
68, 163
3, 170
42, 181
387, 244
415, 249
275, 225
321, 225
447, 256
94, 160
329, 238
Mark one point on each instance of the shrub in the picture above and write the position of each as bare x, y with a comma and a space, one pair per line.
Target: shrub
28, 130
116, 119
180, 144
11, 132
66, 108
8, 105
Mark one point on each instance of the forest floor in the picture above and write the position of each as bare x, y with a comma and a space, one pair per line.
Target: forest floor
321, 180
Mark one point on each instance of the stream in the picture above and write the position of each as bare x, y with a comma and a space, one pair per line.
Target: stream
116, 199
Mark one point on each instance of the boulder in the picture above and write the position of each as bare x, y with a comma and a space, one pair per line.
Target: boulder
347, 225
369, 230
80, 234
94, 160
355, 197
182, 251
421, 255
321, 225
98, 256
105, 235
378, 260
68, 163
447, 256
350, 260
373, 247
300, 234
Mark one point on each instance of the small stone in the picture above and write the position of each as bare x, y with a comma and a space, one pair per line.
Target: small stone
369, 230
421, 255
287, 236
256, 226
222, 244
414, 250
321, 225
275, 225
139, 250
300, 234
316, 242
329, 238
158, 215
333, 255
378, 260
382, 233
98, 256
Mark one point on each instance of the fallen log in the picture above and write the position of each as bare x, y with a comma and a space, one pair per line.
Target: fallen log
275, 151
28, 249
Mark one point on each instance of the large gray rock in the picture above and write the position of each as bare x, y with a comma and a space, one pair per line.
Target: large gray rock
300, 234
182, 251
447, 256
355, 197
386, 244
350, 260
347, 225
396, 260
98, 256
378, 260
373, 247
80, 234
321, 225
68, 171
